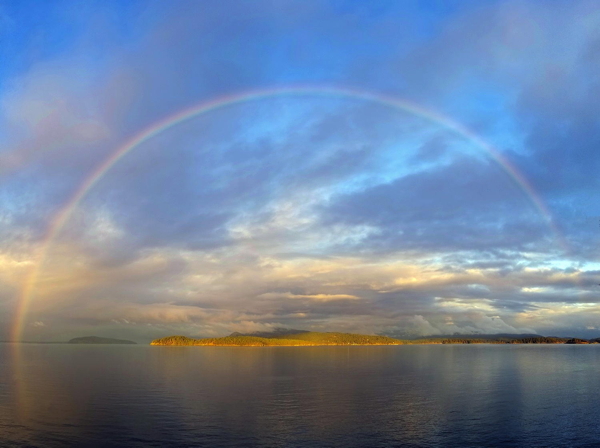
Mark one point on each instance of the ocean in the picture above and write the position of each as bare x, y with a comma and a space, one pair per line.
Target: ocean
60, 395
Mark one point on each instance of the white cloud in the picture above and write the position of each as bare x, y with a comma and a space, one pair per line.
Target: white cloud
315, 297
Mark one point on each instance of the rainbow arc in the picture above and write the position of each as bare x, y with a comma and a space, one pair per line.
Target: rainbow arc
63, 215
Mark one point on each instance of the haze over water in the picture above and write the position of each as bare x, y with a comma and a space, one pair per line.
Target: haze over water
426, 396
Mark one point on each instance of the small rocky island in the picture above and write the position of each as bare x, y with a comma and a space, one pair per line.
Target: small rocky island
99, 340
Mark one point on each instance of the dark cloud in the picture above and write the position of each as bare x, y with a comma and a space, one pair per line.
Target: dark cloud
466, 205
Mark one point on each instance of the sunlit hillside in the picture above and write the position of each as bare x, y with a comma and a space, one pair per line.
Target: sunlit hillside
298, 339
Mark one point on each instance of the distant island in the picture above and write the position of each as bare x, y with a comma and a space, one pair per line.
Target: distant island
293, 338
98, 340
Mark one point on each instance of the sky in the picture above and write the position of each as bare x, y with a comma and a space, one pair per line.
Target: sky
404, 168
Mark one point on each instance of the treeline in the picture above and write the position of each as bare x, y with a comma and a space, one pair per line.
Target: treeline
540, 340
341, 338
233, 341
458, 340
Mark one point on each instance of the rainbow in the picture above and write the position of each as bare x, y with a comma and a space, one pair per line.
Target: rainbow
63, 215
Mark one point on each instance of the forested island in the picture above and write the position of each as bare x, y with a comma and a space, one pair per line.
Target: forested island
305, 338
284, 337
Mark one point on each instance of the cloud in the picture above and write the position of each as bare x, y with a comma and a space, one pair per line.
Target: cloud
313, 212
316, 297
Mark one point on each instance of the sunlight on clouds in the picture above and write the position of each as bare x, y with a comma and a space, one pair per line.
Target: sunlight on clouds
465, 304
536, 289
316, 297
9, 262
561, 315
14, 268
416, 276
213, 290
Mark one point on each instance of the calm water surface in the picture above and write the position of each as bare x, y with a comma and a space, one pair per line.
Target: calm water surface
421, 396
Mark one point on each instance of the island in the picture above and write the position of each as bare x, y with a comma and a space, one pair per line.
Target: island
282, 338
296, 338
99, 340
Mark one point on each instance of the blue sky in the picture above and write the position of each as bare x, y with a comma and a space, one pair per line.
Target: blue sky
323, 212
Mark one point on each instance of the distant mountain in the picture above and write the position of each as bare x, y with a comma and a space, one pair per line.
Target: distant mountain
275, 333
494, 336
98, 340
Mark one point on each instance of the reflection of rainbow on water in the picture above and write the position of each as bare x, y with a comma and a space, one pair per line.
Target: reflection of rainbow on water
148, 133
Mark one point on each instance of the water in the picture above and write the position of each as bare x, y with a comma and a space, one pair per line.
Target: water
421, 396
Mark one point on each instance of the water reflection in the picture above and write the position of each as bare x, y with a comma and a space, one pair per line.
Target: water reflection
59, 395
